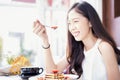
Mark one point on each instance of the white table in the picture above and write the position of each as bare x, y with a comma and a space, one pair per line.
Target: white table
17, 77
10, 77
35, 77
5, 70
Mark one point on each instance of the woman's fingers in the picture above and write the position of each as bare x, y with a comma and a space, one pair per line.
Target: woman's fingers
36, 28
35, 23
39, 29
42, 32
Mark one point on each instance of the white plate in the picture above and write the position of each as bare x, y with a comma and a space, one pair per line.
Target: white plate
37, 76
5, 70
71, 76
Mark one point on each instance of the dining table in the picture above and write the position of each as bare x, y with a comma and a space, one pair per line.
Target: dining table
37, 77
17, 77
10, 77
4, 75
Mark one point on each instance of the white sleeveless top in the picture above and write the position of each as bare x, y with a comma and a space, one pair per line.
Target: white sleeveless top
93, 65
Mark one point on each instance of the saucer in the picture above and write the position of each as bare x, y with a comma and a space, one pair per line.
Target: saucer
26, 76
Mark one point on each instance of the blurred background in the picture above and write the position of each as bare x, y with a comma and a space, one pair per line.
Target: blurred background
16, 23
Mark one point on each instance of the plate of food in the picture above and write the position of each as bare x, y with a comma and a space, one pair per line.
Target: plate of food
71, 76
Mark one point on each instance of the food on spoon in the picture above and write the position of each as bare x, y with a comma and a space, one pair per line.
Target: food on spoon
54, 27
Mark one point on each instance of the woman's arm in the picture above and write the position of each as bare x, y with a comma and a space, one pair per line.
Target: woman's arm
40, 30
110, 60
50, 65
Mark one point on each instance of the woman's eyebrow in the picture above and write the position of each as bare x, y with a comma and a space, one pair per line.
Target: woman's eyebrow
73, 19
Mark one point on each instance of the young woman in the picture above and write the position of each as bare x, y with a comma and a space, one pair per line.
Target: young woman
91, 53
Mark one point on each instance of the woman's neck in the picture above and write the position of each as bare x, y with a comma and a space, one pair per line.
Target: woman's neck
89, 43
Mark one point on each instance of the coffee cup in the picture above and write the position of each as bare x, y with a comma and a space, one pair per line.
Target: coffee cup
29, 71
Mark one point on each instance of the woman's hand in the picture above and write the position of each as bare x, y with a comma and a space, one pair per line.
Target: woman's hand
40, 30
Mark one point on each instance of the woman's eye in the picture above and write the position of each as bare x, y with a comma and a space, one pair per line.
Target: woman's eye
76, 21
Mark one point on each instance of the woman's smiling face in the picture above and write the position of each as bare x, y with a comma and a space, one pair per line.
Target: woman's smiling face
78, 25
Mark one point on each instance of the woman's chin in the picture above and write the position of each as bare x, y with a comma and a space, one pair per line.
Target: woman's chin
77, 39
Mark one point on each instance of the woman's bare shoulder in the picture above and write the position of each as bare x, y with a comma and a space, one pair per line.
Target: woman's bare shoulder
109, 58
106, 47
107, 52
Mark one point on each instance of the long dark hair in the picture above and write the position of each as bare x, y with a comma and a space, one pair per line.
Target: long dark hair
76, 48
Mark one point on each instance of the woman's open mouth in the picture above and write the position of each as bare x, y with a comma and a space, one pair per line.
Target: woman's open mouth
75, 34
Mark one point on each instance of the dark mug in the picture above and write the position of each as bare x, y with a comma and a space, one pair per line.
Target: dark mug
27, 72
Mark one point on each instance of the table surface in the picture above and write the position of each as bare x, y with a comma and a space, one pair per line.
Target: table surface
15, 77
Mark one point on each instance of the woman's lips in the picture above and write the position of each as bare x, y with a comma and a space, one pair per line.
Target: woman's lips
75, 34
